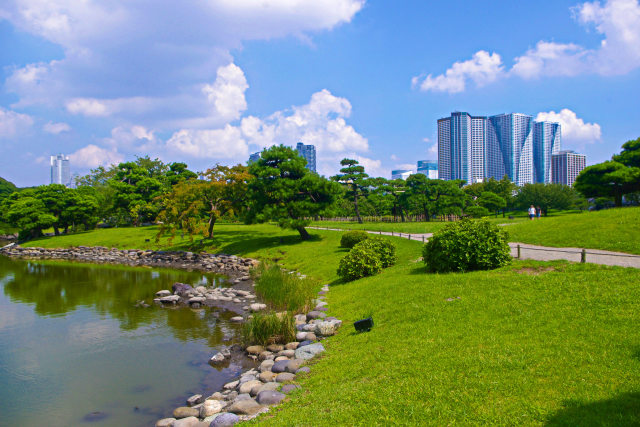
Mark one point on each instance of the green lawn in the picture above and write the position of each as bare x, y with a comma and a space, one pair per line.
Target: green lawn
528, 344
611, 229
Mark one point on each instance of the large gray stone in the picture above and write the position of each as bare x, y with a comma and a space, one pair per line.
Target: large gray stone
255, 349
165, 422
185, 411
309, 351
217, 359
245, 407
285, 377
266, 376
265, 386
266, 365
186, 422
246, 387
316, 315
280, 366
225, 420
210, 407
194, 400
269, 397
287, 388
163, 293
294, 365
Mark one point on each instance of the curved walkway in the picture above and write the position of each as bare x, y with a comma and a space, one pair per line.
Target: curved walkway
535, 252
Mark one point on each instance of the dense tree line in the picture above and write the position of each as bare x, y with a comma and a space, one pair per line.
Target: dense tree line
279, 188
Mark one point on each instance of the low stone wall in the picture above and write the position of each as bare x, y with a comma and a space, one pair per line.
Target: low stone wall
229, 265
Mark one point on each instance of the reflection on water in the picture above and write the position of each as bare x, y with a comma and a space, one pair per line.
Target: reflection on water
73, 343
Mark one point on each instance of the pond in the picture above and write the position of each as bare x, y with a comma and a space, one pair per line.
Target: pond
74, 348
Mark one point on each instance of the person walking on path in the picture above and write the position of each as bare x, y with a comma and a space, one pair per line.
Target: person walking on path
532, 212
538, 211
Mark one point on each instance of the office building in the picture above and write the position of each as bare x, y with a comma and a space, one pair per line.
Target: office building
566, 165
476, 148
60, 171
428, 168
254, 157
401, 174
309, 153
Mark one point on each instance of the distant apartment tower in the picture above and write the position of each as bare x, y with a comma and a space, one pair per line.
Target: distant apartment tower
428, 168
475, 148
309, 153
566, 166
401, 174
60, 171
254, 157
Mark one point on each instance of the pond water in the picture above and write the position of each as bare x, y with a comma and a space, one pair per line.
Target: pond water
74, 350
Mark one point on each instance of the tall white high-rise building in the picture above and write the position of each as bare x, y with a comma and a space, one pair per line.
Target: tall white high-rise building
475, 148
60, 171
566, 166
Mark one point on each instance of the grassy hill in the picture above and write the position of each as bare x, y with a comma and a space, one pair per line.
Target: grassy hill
528, 344
611, 229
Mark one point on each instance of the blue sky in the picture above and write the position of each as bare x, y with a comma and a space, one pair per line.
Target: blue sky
208, 82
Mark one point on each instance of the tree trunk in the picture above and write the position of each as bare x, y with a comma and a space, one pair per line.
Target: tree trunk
56, 230
304, 234
427, 217
617, 197
212, 222
355, 201
401, 213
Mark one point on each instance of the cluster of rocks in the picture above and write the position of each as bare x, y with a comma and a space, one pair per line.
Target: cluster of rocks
184, 294
230, 265
9, 237
258, 389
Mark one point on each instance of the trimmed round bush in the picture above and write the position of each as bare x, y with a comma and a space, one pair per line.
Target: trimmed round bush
382, 247
359, 262
350, 238
477, 211
467, 245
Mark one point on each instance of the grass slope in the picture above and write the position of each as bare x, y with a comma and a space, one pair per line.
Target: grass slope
531, 343
611, 229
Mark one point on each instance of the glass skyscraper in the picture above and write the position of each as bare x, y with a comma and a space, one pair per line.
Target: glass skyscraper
475, 148
309, 153
60, 171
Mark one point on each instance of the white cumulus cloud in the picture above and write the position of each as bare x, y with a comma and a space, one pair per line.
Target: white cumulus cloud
482, 68
93, 156
227, 92
225, 143
56, 128
574, 129
13, 123
550, 59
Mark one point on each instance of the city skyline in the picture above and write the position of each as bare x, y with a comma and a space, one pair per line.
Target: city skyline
355, 78
476, 148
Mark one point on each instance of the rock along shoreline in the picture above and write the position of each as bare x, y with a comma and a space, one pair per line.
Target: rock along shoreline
256, 389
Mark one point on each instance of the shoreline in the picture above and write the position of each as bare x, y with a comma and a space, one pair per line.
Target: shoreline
256, 389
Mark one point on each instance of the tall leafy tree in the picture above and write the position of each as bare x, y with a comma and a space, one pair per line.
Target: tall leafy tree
178, 172
27, 212
608, 179
284, 190
354, 178
630, 154
491, 201
546, 196
434, 196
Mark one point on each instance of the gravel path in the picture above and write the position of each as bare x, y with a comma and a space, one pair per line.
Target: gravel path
539, 253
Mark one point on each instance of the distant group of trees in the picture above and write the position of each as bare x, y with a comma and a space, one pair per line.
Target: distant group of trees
278, 187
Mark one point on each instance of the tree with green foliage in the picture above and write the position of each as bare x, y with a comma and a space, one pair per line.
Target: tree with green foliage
178, 172
491, 201
546, 196
354, 178
608, 179
630, 154
434, 196
6, 188
284, 190
27, 212
137, 190
395, 189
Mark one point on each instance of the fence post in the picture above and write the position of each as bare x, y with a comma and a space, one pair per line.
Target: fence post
518, 251
423, 238
583, 256
380, 232
409, 236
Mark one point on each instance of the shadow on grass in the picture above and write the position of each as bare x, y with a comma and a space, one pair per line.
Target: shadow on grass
622, 410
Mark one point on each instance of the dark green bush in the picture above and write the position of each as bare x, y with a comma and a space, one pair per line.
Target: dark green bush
467, 245
350, 238
382, 247
477, 211
359, 262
